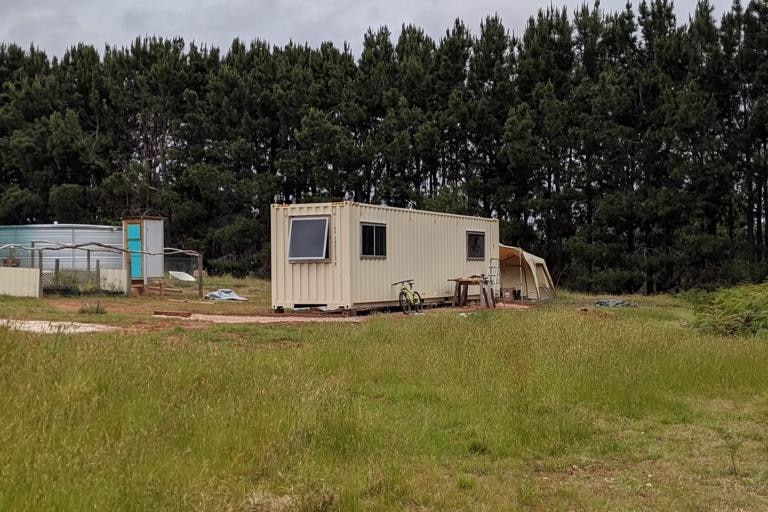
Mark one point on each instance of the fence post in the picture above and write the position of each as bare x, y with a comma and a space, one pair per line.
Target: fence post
40, 262
56, 272
128, 275
98, 276
88, 260
200, 275
32, 255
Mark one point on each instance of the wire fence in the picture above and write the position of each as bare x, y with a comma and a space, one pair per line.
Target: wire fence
98, 268
70, 280
186, 264
181, 273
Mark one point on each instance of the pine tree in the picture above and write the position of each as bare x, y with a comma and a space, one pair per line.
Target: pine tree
630, 150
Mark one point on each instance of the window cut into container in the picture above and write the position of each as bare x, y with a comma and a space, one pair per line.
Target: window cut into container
475, 245
380, 235
308, 239
373, 240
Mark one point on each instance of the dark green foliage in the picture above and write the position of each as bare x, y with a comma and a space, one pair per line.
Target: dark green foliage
19, 206
629, 148
732, 311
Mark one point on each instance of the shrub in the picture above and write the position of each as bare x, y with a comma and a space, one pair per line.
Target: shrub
741, 310
237, 266
92, 309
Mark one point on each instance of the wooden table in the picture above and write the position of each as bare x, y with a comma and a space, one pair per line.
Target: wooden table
462, 290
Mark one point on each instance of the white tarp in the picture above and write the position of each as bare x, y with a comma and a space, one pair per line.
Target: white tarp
182, 276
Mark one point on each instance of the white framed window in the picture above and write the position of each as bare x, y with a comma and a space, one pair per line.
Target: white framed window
475, 245
308, 239
373, 240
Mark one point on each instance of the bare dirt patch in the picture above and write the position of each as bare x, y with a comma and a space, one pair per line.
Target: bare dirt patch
263, 319
48, 327
521, 307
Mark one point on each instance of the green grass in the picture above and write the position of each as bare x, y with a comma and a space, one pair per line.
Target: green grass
547, 409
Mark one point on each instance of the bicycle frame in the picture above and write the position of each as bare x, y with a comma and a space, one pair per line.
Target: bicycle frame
407, 287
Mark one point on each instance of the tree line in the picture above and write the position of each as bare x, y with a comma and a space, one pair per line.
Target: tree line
627, 147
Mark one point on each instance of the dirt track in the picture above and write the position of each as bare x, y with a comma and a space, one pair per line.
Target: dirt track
273, 319
264, 319
48, 327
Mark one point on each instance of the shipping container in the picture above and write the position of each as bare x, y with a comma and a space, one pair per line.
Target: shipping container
347, 255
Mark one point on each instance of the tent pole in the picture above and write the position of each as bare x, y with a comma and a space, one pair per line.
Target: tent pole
525, 275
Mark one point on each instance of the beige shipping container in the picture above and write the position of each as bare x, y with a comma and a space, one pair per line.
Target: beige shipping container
347, 255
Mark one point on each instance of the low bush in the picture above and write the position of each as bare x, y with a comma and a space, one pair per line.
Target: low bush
92, 308
741, 310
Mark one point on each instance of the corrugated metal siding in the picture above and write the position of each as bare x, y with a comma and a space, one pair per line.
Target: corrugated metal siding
310, 282
20, 282
426, 246
64, 234
429, 247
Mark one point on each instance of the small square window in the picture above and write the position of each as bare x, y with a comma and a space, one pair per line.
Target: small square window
475, 245
308, 239
373, 240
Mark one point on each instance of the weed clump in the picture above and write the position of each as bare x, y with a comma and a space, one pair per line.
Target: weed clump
741, 310
92, 309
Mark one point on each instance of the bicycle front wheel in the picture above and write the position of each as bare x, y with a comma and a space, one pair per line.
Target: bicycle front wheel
418, 304
405, 302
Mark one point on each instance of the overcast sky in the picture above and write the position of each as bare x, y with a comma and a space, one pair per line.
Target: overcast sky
55, 25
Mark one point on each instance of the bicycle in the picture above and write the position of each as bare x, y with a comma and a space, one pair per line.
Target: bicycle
409, 299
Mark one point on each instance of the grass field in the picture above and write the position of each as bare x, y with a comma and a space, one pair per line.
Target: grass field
550, 408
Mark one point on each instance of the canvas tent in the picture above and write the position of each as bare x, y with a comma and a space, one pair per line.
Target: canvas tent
525, 274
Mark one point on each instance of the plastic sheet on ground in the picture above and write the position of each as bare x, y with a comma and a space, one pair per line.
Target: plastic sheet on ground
615, 303
225, 294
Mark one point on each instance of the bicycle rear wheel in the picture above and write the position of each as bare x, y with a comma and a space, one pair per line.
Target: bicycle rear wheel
418, 304
405, 302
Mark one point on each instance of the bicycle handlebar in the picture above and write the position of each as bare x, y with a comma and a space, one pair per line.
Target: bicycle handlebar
403, 281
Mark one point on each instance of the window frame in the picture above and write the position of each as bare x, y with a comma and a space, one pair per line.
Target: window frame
475, 232
326, 246
374, 225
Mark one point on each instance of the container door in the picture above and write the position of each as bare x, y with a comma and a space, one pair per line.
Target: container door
133, 241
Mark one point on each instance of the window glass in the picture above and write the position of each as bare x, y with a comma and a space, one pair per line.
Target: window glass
373, 240
381, 240
308, 238
475, 245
